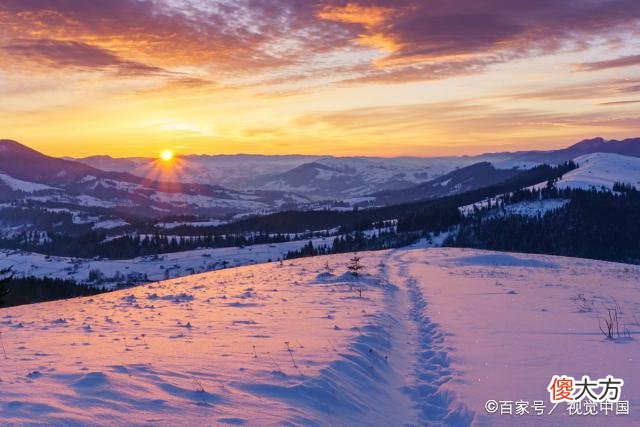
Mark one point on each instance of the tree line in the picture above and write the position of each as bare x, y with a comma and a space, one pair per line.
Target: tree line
593, 224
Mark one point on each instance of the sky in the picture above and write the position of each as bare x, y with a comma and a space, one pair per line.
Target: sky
379, 77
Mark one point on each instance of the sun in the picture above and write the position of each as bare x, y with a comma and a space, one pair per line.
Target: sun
166, 155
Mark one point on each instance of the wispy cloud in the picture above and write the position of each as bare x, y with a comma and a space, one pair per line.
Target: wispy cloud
56, 53
625, 61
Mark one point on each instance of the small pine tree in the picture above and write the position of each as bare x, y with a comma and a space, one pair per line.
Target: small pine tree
354, 265
327, 267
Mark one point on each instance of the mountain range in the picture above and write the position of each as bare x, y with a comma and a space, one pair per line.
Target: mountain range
28, 175
260, 184
362, 180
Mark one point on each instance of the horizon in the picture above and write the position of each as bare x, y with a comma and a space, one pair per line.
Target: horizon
176, 154
377, 77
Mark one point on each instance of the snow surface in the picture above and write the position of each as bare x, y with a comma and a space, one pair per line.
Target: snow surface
153, 268
109, 224
526, 208
598, 170
175, 224
26, 186
423, 337
602, 170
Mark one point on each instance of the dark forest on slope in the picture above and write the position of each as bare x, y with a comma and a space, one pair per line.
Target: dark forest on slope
594, 224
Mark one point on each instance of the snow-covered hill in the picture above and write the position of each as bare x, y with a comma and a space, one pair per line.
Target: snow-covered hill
147, 268
602, 170
597, 170
423, 337
461, 180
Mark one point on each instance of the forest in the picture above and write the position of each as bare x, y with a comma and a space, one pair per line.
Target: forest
594, 224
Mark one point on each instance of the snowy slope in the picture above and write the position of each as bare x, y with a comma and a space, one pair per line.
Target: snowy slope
597, 170
25, 186
512, 321
153, 268
602, 170
424, 337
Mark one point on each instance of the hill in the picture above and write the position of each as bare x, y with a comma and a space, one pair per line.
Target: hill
461, 180
602, 170
422, 337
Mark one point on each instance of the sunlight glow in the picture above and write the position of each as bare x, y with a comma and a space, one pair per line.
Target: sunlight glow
166, 155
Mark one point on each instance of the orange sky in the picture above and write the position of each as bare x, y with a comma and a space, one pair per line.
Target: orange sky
131, 78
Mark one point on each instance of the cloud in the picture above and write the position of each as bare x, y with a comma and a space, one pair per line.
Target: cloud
456, 27
58, 53
228, 35
424, 71
597, 89
387, 41
625, 61
461, 120
631, 101
437, 39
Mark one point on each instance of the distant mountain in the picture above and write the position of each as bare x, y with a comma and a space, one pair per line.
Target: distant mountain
469, 178
313, 176
229, 171
22, 162
27, 175
349, 177
627, 147
108, 163
344, 178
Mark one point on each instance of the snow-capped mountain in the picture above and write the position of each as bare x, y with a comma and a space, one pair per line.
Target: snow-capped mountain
626, 147
340, 178
319, 177
230, 171
28, 175
599, 171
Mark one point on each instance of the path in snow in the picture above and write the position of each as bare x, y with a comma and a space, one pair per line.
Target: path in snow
431, 365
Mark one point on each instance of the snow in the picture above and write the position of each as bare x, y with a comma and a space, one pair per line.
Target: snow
175, 224
526, 208
512, 321
231, 347
598, 170
423, 337
180, 199
108, 224
154, 268
535, 207
602, 170
26, 186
